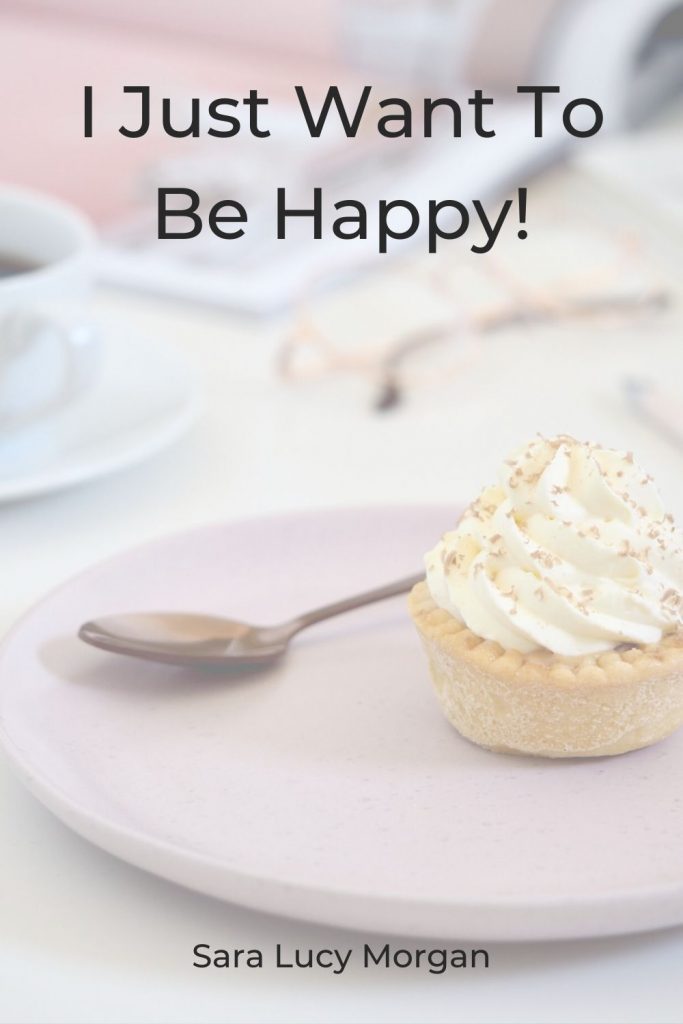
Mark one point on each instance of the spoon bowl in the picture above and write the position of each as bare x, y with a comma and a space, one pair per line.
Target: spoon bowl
181, 638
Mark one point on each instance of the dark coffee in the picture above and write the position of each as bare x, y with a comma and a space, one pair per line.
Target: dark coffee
11, 265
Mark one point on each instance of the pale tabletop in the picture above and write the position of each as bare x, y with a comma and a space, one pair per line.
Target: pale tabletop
84, 937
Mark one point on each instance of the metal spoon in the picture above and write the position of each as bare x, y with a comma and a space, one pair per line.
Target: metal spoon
178, 638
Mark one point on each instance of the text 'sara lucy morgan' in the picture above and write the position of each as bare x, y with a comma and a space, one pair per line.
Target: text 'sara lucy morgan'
337, 959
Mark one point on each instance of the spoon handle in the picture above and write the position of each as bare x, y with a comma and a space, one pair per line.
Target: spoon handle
349, 603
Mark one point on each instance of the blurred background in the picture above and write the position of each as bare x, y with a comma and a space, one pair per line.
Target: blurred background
627, 54
327, 373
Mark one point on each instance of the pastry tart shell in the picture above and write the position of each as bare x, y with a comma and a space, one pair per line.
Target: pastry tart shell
548, 705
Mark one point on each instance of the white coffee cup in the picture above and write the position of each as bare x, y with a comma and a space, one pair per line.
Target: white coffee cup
48, 353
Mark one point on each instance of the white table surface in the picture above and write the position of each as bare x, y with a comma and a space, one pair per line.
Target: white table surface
84, 937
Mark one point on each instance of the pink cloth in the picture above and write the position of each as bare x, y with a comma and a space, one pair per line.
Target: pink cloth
284, 26
46, 59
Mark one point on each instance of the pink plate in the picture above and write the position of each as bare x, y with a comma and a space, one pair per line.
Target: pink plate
329, 788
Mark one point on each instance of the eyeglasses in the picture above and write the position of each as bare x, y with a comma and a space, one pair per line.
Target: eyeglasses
616, 287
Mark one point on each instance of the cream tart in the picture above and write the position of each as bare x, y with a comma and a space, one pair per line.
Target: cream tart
552, 615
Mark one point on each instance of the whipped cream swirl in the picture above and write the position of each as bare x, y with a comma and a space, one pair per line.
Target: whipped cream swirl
572, 552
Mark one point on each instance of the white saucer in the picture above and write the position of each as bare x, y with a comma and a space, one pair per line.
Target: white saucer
144, 398
330, 788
